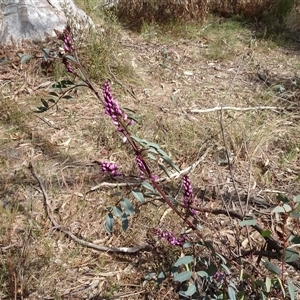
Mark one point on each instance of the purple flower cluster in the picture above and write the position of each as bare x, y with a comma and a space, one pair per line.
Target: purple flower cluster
169, 237
109, 168
66, 37
188, 196
188, 191
112, 108
141, 166
68, 66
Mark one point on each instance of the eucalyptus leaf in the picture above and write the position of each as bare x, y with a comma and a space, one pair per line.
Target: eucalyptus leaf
148, 186
25, 58
138, 195
72, 58
164, 169
295, 239
202, 274
249, 222
170, 162
189, 292
290, 255
125, 222
67, 97
45, 103
272, 268
117, 211
183, 276
161, 276
231, 293
53, 94
268, 284
184, 260
291, 289
127, 205
151, 156
109, 222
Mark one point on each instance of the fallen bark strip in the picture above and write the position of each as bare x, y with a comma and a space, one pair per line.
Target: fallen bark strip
73, 236
218, 108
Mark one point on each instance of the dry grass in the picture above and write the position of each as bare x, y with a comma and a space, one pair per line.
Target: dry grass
170, 71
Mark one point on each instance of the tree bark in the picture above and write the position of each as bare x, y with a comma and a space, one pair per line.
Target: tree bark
34, 20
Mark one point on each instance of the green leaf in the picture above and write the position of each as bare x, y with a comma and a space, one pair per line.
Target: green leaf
295, 239
46, 53
148, 186
125, 222
297, 198
117, 211
149, 276
184, 260
126, 203
109, 222
222, 258
26, 58
266, 233
45, 103
164, 169
152, 150
67, 97
282, 198
272, 268
51, 100
291, 289
168, 160
41, 109
172, 199
161, 276
202, 274
189, 292
231, 292
151, 156
226, 269
212, 270
70, 57
138, 195
268, 284
282, 287
278, 209
249, 222
290, 255
183, 276
53, 94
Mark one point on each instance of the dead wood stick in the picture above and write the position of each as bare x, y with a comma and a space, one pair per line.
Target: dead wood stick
73, 236
218, 108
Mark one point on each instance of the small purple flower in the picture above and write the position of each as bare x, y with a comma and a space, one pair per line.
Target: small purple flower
169, 237
219, 276
109, 168
188, 196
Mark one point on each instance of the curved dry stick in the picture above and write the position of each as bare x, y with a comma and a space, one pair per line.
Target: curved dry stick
73, 236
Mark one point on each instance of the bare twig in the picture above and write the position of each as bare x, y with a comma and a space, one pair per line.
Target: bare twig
74, 237
218, 108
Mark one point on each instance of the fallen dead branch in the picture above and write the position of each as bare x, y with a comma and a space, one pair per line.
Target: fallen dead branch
218, 108
74, 237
